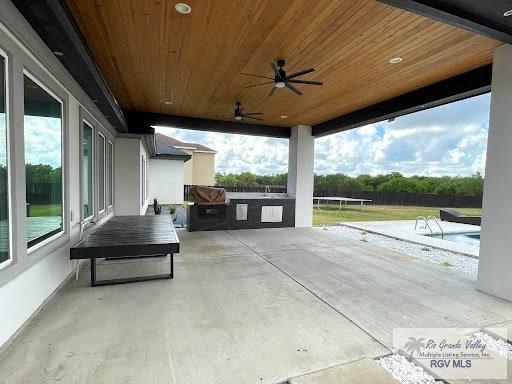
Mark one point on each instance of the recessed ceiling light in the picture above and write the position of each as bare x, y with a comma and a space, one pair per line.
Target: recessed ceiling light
167, 102
283, 116
183, 8
58, 53
507, 13
396, 60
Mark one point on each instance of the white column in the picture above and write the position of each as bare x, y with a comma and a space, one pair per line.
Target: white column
301, 173
495, 264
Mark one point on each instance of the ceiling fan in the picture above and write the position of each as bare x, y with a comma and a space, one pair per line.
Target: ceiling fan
240, 114
281, 80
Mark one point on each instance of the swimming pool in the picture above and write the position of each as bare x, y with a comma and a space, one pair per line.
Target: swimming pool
466, 238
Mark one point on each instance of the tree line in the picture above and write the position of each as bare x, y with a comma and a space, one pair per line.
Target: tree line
42, 173
391, 182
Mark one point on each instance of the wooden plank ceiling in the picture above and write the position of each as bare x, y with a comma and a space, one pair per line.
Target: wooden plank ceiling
149, 53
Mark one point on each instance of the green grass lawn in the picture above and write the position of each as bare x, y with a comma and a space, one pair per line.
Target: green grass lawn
329, 214
37, 210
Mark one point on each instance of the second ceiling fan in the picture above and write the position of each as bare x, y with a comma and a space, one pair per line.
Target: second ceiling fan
240, 114
282, 80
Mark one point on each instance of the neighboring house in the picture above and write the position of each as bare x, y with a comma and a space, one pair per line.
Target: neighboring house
200, 169
166, 173
176, 164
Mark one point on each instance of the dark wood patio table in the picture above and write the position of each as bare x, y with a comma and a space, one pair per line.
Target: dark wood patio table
128, 237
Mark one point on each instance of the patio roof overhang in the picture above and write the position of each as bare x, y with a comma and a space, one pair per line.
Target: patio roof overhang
184, 70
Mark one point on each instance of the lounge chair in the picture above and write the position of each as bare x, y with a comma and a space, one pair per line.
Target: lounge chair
457, 217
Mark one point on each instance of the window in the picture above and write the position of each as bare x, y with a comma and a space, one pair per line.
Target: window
101, 172
4, 179
87, 171
110, 173
43, 162
145, 179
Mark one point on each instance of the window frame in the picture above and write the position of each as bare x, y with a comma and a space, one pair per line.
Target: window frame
10, 207
99, 134
84, 121
63, 232
110, 167
143, 180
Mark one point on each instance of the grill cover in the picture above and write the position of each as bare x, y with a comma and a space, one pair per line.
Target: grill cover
208, 195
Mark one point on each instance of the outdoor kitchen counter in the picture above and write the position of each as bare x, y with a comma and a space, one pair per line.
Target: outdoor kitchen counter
244, 211
256, 196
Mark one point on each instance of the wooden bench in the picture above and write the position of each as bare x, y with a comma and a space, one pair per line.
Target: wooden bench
129, 237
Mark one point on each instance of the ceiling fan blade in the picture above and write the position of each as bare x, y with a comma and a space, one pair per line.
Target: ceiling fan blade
254, 118
257, 85
263, 77
274, 68
253, 113
272, 91
300, 73
292, 88
305, 82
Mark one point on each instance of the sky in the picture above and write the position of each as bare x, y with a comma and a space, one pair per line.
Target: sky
450, 140
43, 141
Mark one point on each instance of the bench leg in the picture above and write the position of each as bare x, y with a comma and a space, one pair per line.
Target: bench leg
171, 257
93, 272
126, 280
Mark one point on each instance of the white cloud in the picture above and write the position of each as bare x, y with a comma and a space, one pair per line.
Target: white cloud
238, 153
448, 140
43, 141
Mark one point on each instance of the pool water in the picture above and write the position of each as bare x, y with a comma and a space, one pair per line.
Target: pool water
466, 238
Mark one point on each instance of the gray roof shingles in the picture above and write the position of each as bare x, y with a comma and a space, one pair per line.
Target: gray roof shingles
176, 143
166, 150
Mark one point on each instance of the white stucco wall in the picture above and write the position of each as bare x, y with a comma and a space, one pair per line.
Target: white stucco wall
166, 180
127, 188
495, 262
31, 278
128, 185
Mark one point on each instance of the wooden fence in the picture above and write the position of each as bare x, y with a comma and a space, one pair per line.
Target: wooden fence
379, 198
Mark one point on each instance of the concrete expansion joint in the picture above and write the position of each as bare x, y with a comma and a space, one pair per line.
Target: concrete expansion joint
311, 292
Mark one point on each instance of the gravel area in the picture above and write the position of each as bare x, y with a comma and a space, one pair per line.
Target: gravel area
498, 345
449, 259
405, 371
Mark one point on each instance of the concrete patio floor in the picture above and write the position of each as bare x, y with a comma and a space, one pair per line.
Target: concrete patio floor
248, 306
